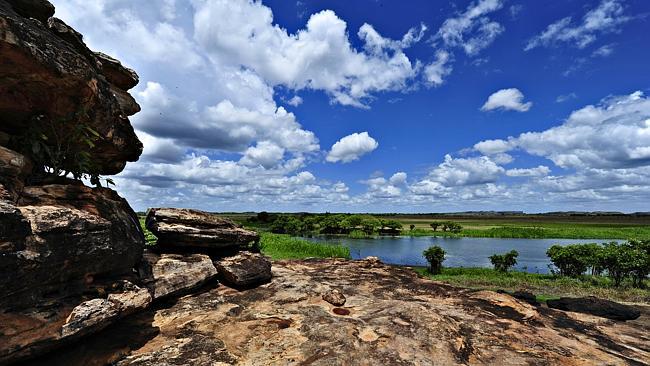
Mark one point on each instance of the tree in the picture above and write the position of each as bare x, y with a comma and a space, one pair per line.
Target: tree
369, 224
570, 260
434, 225
435, 255
503, 262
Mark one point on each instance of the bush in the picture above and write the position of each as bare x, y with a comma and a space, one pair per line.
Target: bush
503, 262
435, 255
631, 259
572, 260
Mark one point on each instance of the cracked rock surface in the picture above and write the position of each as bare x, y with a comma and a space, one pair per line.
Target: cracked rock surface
391, 317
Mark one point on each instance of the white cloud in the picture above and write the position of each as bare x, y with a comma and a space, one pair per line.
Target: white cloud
564, 97
606, 18
351, 147
265, 153
318, 57
604, 51
438, 69
472, 30
540, 171
490, 147
507, 99
612, 135
295, 101
465, 171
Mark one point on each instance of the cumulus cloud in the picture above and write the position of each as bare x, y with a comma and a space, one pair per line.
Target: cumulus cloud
614, 134
606, 18
318, 57
352, 147
491, 147
465, 171
507, 99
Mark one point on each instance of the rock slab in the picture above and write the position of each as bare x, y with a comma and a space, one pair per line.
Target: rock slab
172, 274
244, 269
391, 317
187, 228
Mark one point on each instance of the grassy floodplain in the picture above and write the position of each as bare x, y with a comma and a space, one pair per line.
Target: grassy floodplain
544, 286
521, 226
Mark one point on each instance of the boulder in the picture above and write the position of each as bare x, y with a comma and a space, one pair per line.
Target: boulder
334, 297
122, 77
244, 269
48, 75
68, 234
185, 228
172, 274
595, 306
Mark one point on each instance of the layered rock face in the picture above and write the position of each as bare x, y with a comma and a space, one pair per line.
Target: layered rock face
67, 251
187, 228
48, 75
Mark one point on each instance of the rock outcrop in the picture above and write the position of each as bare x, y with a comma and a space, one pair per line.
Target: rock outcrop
49, 78
595, 306
391, 317
186, 228
67, 251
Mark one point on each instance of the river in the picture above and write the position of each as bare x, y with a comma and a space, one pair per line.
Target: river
461, 252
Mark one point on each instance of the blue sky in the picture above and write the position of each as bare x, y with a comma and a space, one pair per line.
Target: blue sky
381, 106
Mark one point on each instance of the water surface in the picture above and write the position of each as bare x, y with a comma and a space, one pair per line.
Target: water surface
461, 252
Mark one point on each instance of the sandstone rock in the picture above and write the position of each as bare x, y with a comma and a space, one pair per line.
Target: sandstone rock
172, 274
37, 9
74, 231
29, 331
14, 229
193, 228
122, 77
287, 323
595, 306
14, 169
48, 74
244, 269
334, 297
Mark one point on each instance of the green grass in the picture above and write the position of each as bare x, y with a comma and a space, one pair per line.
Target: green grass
279, 246
149, 238
544, 286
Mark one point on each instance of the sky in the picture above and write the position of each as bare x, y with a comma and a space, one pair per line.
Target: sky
382, 106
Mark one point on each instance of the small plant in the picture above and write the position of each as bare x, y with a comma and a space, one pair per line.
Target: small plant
434, 225
503, 262
412, 227
435, 255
